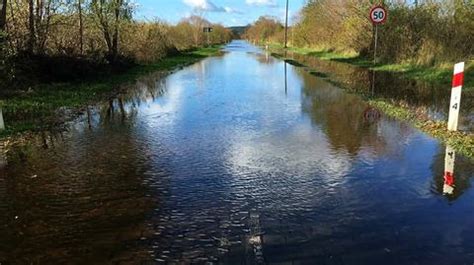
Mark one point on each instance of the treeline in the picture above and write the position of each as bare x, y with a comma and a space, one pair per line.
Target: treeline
423, 32
81, 34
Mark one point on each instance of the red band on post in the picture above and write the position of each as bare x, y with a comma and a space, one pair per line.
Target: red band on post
448, 178
458, 79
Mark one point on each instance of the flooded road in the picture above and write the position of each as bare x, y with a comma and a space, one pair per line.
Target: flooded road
426, 99
238, 159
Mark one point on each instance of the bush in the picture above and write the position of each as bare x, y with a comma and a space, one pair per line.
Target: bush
430, 33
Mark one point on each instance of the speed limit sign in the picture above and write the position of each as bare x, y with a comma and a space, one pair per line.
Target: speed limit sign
378, 15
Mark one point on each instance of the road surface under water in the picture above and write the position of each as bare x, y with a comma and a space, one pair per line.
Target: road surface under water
237, 159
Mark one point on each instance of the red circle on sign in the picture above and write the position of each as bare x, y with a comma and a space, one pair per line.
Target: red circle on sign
371, 115
373, 19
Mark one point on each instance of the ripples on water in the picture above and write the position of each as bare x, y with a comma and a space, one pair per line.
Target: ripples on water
223, 163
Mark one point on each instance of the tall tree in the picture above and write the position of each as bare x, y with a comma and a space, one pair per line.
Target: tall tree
81, 27
3, 14
31, 27
110, 14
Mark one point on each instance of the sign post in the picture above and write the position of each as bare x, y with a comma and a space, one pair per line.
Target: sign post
455, 104
207, 30
378, 15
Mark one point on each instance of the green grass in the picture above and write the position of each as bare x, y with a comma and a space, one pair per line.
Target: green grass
460, 141
439, 74
320, 53
34, 108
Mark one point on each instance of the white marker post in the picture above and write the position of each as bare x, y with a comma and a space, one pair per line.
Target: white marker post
458, 80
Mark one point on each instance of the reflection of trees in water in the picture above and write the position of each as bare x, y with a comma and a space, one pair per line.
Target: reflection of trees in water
341, 116
422, 97
263, 58
146, 88
124, 105
70, 200
387, 84
83, 198
463, 172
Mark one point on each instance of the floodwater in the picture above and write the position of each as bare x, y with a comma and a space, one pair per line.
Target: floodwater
237, 159
426, 99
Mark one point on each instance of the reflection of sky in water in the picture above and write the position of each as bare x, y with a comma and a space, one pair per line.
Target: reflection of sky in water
298, 148
220, 145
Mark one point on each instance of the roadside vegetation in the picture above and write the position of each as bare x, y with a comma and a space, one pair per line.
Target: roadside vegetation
421, 40
463, 142
39, 108
56, 54
440, 74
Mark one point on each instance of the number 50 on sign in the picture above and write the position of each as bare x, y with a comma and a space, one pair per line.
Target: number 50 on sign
378, 15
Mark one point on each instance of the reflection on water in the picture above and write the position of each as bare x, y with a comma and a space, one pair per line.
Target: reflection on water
448, 187
423, 98
241, 159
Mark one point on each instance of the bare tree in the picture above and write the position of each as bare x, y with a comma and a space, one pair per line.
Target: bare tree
3, 14
110, 14
81, 27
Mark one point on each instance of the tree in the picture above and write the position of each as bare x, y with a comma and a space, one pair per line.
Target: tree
81, 27
110, 14
3, 14
31, 27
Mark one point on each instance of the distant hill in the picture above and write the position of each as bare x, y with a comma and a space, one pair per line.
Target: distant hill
238, 31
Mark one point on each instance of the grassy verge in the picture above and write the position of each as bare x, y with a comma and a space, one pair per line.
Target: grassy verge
440, 74
34, 108
460, 141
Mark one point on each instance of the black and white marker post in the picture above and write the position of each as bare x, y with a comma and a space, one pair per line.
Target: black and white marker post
208, 31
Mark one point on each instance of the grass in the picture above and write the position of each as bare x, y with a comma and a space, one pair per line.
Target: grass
320, 53
460, 141
439, 74
35, 108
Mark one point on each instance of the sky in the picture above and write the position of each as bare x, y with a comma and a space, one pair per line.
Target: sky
226, 12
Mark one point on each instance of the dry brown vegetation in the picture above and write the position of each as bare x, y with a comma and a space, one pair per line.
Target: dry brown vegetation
425, 32
84, 35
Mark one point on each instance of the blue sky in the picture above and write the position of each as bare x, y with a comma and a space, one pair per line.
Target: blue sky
226, 12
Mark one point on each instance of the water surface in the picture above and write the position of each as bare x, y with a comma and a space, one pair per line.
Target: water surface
237, 159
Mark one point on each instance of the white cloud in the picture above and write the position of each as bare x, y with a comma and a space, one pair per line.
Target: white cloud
271, 3
231, 10
207, 5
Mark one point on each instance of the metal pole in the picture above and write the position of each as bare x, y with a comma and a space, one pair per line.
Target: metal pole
375, 59
286, 80
375, 44
286, 25
373, 82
